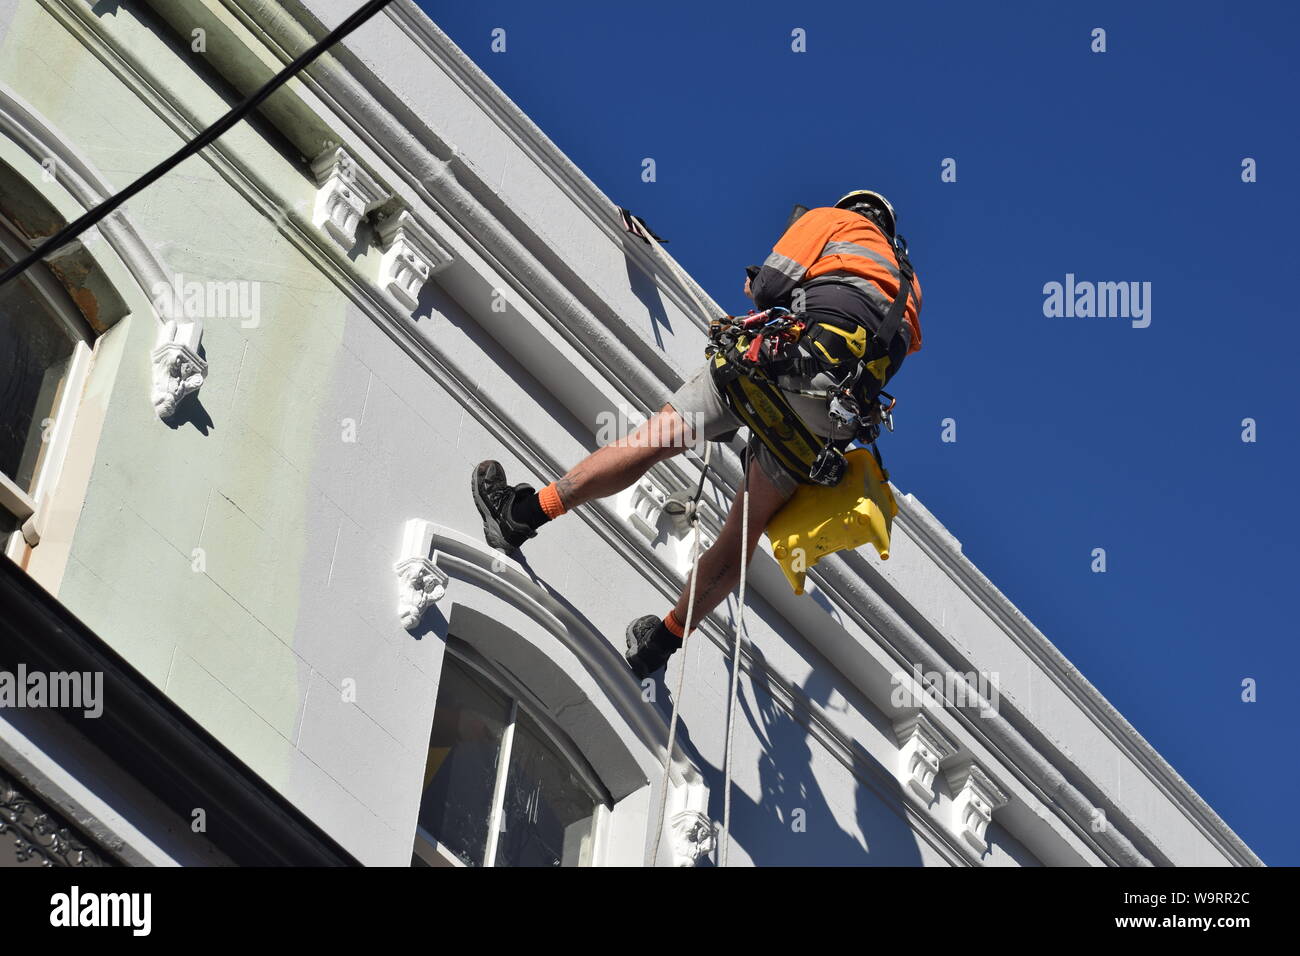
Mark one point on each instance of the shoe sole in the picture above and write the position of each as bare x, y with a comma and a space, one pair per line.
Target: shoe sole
629, 638
491, 527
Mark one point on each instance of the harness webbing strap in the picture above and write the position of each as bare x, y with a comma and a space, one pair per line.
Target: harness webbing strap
893, 320
761, 405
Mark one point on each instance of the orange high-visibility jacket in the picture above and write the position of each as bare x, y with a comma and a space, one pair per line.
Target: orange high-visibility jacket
836, 245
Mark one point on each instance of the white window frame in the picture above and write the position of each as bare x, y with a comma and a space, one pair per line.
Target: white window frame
31, 510
427, 846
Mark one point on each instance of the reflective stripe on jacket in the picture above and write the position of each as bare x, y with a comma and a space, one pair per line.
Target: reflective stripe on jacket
835, 245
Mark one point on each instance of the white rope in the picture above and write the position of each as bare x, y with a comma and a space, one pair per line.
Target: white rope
735, 673
681, 676
689, 285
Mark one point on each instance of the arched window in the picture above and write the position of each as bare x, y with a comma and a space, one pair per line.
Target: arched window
44, 349
502, 786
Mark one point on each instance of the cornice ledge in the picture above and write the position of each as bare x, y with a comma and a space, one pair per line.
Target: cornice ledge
877, 618
563, 171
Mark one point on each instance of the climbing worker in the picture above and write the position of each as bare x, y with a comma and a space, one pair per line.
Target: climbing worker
840, 307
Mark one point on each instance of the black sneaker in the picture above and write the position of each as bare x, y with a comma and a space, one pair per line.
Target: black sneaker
649, 645
494, 500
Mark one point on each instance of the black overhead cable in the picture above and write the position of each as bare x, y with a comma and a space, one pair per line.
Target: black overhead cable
203, 140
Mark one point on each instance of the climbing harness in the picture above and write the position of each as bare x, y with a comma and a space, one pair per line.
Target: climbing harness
748, 353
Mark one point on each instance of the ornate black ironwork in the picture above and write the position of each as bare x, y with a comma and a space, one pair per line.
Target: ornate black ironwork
39, 834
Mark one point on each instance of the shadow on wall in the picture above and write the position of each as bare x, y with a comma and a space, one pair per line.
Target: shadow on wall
794, 823
462, 331
644, 288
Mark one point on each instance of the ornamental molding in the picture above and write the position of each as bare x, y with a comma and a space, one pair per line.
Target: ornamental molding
345, 194
642, 506
661, 517
36, 834
974, 798
411, 253
692, 835
178, 369
922, 748
420, 582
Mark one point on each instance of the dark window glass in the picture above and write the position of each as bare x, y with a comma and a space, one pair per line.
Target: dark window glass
35, 350
548, 812
461, 772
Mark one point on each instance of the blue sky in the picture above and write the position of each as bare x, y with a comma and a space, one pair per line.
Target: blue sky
1072, 433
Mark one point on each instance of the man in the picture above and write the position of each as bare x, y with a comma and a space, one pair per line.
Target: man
838, 269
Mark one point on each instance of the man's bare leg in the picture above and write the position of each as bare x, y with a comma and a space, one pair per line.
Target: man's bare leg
610, 469
651, 641
513, 513
719, 570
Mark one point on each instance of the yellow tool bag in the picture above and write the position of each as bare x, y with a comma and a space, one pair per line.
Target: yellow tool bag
821, 520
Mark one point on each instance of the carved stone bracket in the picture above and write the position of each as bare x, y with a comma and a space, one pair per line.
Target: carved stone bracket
644, 506
178, 369
345, 194
420, 581
974, 798
692, 835
411, 253
922, 748
658, 515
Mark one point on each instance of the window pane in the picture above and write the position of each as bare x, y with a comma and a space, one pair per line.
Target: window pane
549, 811
34, 354
460, 775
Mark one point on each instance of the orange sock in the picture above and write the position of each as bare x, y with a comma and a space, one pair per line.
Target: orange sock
675, 626
550, 501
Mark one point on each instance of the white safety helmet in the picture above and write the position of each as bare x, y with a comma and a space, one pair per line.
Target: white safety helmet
870, 197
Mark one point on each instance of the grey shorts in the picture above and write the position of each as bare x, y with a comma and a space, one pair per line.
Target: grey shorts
707, 413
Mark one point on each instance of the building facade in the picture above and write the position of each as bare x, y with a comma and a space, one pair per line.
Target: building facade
239, 427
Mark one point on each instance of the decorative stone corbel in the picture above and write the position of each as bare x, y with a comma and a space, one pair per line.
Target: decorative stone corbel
420, 581
345, 194
922, 748
974, 798
644, 507
411, 253
178, 369
653, 513
693, 835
